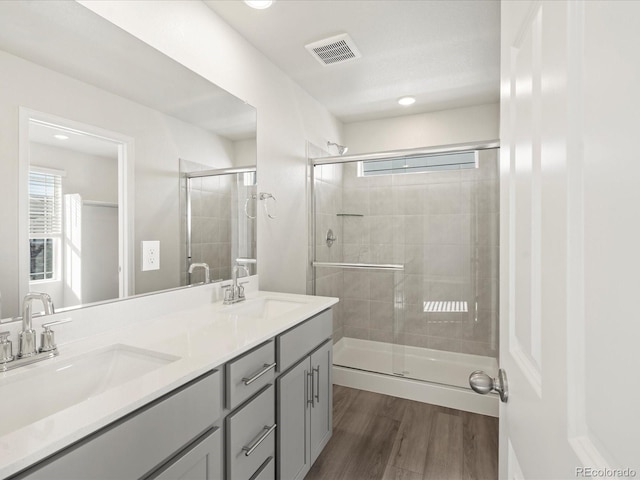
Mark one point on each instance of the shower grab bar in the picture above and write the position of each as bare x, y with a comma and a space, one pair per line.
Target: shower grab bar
364, 266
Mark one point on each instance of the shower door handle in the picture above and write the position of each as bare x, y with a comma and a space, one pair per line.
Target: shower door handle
482, 383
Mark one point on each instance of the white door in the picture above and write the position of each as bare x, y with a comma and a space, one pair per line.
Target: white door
570, 236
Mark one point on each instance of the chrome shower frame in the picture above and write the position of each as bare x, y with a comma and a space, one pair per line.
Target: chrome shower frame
204, 173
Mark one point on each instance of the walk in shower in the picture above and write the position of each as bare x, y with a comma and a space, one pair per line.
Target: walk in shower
218, 227
408, 241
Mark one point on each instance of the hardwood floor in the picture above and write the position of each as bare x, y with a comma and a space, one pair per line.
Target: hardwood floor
381, 437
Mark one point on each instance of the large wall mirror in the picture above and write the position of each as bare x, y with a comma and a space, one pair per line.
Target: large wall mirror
100, 133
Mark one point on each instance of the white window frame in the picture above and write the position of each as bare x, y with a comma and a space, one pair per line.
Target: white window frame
423, 169
52, 228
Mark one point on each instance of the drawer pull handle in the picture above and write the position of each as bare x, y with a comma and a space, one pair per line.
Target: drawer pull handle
265, 368
248, 450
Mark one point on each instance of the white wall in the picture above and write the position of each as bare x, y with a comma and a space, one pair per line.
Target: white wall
245, 153
459, 125
195, 36
82, 171
160, 141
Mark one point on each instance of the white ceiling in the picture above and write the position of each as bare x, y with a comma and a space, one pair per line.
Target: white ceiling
445, 53
75, 141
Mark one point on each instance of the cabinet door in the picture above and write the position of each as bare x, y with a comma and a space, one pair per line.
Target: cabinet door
294, 395
201, 462
322, 391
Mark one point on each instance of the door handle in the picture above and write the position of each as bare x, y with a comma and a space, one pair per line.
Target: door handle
311, 388
482, 383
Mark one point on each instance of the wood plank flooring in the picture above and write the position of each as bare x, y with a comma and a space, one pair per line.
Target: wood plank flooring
381, 437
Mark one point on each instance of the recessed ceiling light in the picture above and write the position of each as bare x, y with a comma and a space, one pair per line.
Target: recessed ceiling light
406, 101
61, 137
259, 4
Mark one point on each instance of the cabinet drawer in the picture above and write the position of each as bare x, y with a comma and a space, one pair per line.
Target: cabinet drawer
299, 341
251, 436
141, 441
267, 471
249, 373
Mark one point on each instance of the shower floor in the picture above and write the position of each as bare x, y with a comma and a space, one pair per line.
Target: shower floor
435, 366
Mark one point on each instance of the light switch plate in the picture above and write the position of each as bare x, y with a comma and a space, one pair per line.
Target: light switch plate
150, 255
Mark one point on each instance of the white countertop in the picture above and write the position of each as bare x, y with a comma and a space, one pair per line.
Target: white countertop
203, 337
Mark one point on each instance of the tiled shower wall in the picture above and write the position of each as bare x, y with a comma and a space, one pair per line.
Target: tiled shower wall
443, 226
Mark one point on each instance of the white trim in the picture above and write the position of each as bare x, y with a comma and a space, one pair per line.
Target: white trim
588, 453
514, 469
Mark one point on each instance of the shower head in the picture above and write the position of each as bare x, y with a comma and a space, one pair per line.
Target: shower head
341, 148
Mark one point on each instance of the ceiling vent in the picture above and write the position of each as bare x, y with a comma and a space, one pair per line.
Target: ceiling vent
333, 50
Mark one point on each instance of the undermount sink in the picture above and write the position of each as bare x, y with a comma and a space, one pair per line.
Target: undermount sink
38, 392
264, 307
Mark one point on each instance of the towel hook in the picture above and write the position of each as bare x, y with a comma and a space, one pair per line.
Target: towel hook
265, 196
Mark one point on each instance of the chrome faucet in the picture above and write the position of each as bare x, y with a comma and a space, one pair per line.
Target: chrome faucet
193, 266
234, 292
27, 352
27, 337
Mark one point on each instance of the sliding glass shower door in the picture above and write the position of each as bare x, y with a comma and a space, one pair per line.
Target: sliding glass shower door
368, 320
410, 246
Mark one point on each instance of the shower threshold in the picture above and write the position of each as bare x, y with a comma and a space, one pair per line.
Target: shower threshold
425, 364
424, 375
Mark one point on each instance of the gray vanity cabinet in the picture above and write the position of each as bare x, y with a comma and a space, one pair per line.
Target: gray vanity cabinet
265, 432
167, 433
305, 398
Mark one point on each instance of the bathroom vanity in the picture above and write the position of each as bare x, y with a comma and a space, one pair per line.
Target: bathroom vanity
213, 391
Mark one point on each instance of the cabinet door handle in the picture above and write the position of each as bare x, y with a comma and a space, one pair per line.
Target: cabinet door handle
265, 368
316, 392
309, 377
248, 449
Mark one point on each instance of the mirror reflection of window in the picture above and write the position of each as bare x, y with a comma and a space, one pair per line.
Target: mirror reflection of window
45, 223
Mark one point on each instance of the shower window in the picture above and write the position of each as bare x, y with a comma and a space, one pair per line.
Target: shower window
418, 164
